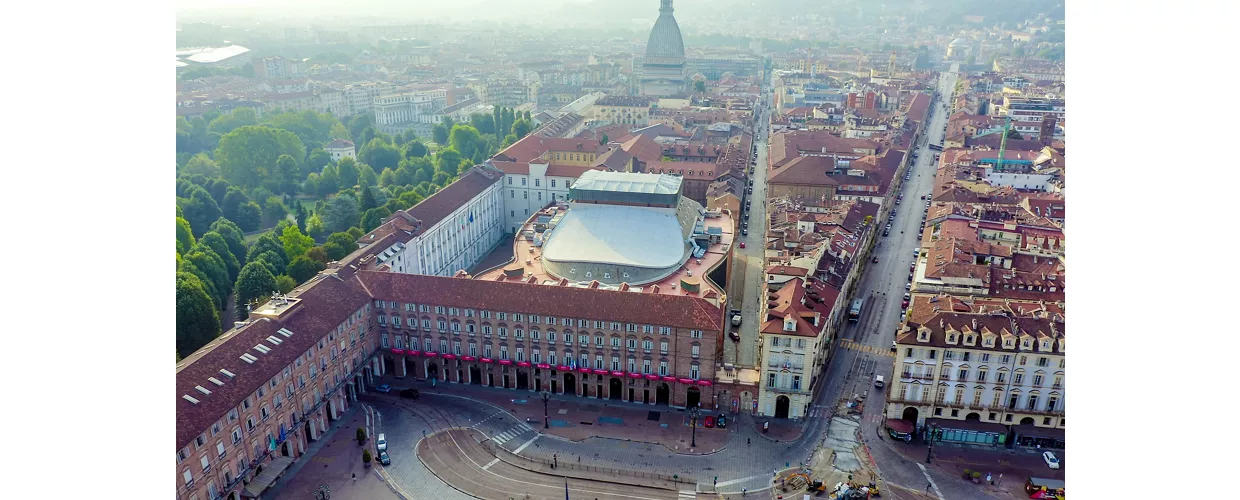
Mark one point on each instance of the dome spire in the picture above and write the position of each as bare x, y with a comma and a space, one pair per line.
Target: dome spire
666, 7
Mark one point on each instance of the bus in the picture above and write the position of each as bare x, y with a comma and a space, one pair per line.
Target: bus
936, 147
854, 312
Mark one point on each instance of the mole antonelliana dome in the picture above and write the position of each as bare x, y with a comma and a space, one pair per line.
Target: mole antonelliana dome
665, 43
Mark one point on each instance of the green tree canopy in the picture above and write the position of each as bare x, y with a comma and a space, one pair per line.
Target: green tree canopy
303, 268
249, 216
232, 235
285, 284
699, 86
415, 149
466, 140
268, 242
198, 323
205, 259
234, 120
315, 227
374, 217
254, 283
366, 176
216, 242
295, 243
288, 175
379, 154
439, 133
248, 155
521, 128
199, 209
185, 236
340, 212
346, 170
334, 251
448, 160
233, 199
200, 164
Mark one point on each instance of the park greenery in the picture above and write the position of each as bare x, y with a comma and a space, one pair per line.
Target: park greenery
262, 208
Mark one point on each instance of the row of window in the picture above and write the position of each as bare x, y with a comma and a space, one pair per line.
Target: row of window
926, 393
538, 181
521, 318
647, 345
398, 342
984, 357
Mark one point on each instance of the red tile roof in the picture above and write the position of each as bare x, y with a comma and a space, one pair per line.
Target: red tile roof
324, 303
679, 311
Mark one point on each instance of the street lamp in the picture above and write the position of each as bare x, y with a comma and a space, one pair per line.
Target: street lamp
546, 396
694, 413
930, 449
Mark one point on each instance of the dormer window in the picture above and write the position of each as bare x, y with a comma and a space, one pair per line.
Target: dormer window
951, 338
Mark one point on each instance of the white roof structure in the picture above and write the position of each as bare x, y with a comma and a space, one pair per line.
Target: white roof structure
637, 237
628, 182
217, 55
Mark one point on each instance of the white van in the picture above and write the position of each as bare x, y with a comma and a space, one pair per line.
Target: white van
381, 443
878, 381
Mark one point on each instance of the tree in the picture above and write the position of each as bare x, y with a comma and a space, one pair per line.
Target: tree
274, 210
329, 181
340, 212
604, 140
268, 242
236, 119
410, 198
233, 199
448, 160
285, 284
315, 227
346, 169
255, 283
1014, 134
295, 243
199, 209
217, 244
366, 176
232, 235
387, 178
301, 217
483, 122
315, 161
699, 86
205, 259
185, 236
368, 200
334, 251
439, 133
317, 254
442, 178
521, 128
379, 154
509, 140
198, 323
247, 156
359, 123
288, 175
415, 149
249, 216
374, 217
303, 268
200, 164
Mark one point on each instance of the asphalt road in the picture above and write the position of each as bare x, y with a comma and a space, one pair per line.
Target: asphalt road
458, 458
864, 350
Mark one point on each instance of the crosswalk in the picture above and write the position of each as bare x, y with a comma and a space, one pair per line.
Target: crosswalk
854, 346
687, 495
513, 432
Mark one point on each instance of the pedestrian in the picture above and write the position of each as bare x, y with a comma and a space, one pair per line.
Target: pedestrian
1000, 479
927, 488
355, 477
747, 443
989, 480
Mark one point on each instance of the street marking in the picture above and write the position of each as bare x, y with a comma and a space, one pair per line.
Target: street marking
741, 480
687, 495
933, 486
522, 447
489, 464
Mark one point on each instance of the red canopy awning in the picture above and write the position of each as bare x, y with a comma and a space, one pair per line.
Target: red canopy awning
523, 363
487, 360
449, 356
543, 366
902, 426
413, 353
562, 368
398, 351
505, 361
468, 358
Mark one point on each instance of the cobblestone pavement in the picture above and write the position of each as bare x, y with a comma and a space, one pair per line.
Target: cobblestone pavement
331, 463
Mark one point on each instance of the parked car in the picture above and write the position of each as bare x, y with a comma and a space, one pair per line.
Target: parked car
904, 304
1051, 460
907, 296
722, 423
384, 388
384, 459
409, 393
885, 232
893, 346
876, 260
710, 421
381, 443
908, 286
736, 336
742, 244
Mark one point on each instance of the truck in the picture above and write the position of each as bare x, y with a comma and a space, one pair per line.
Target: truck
854, 312
735, 314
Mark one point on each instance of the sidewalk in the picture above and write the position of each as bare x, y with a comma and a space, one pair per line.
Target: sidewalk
330, 461
578, 418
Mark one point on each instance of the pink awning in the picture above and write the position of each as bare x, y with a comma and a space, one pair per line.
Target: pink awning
583, 370
669, 379
686, 381
617, 374
635, 375
505, 361
704, 383
523, 363
413, 352
487, 360
544, 366
430, 354
398, 351
449, 356
562, 368
652, 377
468, 358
